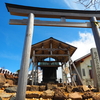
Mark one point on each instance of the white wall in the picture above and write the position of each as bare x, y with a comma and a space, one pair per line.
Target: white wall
84, 65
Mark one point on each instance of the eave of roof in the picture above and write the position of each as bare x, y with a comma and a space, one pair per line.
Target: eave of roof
53, 39
55, 45
82, 58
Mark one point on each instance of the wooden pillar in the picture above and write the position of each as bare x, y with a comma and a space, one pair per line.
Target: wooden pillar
65, 73
70, 61
51, 47
77, 73
33, 66
32, 74
96, 33
37, 73
70, 66
62, 76
22, 82
33, 56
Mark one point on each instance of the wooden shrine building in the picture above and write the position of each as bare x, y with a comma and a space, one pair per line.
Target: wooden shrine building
58, 54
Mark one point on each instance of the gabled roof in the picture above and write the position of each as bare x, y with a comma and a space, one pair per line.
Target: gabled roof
81, 59
59, 50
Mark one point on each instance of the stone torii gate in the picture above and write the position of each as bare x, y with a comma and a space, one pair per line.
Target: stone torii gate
31, 13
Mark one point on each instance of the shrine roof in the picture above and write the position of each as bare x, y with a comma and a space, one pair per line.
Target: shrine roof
52, 48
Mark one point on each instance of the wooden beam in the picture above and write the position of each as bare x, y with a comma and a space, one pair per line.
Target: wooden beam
20, 10
50, 49
40, 60
49, 65
49, 55
51, 23
49, 61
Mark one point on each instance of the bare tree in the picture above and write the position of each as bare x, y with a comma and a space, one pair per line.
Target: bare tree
90, 3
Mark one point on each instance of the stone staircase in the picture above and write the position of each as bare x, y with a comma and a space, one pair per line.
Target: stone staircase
48, 91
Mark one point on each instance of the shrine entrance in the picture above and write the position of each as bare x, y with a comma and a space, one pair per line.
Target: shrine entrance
63, 14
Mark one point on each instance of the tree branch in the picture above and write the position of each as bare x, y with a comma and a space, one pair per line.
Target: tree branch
90, 3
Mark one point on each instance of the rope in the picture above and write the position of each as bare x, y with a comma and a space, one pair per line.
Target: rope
97, 24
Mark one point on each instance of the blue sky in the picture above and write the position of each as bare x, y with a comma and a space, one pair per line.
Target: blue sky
12, 36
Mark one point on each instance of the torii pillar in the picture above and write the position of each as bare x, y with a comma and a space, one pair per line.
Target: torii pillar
96, 67
22, 82
96, 33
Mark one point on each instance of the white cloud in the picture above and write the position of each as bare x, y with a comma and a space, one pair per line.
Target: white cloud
73, 4
83, 44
